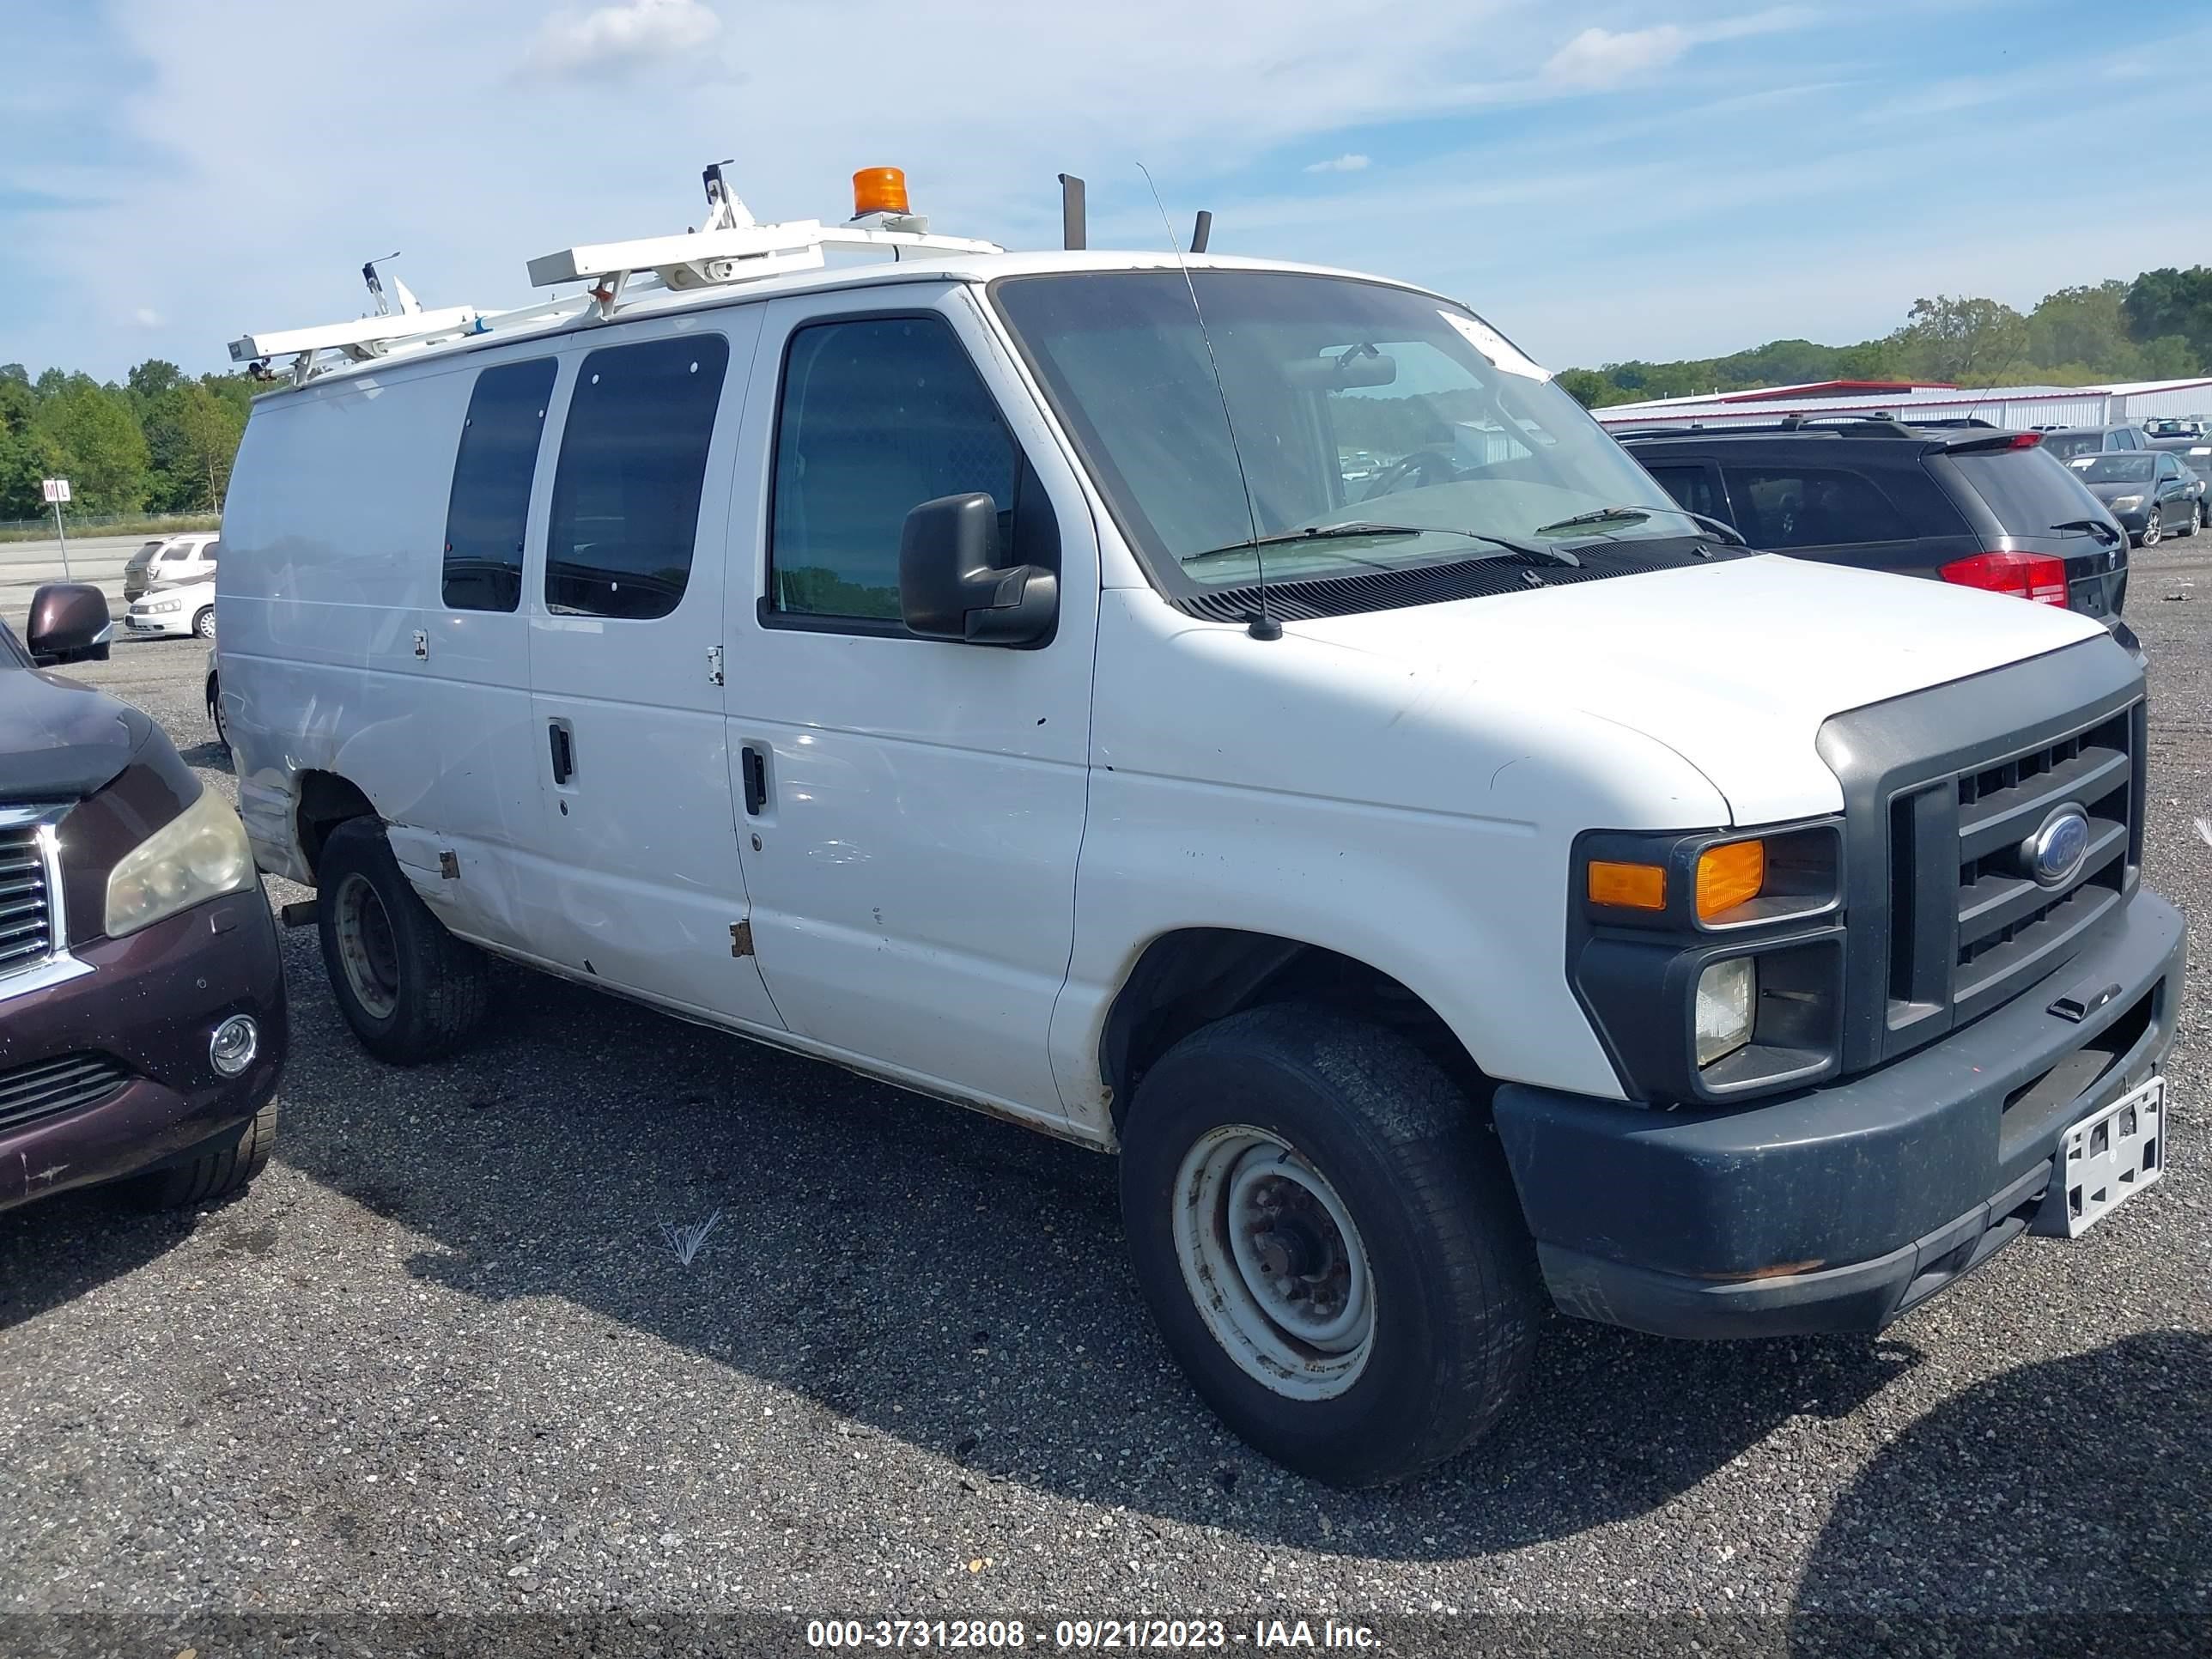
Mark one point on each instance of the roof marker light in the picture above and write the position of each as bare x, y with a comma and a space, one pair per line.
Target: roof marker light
879, 190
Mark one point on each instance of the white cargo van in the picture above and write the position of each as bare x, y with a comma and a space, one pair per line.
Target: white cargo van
1469, 887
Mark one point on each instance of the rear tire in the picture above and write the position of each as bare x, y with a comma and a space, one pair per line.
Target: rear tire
212, 1172
409, 989
1250, 1149
204, 623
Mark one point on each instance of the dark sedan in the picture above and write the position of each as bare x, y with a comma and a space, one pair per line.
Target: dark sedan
2146, 491
141, 1000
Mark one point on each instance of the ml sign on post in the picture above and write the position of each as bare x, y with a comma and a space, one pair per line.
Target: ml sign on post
56, 492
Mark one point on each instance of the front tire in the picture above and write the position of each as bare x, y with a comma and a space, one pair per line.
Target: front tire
409, 989
2154, 530
204, 623
1329, 1240
213, 1172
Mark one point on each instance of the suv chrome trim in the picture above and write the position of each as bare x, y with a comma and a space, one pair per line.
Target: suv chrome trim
57, 966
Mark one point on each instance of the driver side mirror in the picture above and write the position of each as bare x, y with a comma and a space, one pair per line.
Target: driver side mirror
952, 588
69, 623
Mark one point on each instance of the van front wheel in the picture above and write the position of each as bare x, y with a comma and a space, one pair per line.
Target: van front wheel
1330, 1242
409, 989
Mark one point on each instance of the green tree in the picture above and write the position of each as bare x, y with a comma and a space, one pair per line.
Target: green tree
2085, 327
150, 379
2167, 302
1965, 340
210, 433
27, 455
102, 450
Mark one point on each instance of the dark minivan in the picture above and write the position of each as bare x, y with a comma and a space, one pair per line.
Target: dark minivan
142, 1003
1969, 503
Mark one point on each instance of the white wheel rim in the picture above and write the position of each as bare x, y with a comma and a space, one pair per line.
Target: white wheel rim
1274, 1263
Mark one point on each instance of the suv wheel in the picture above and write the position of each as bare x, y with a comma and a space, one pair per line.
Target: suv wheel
1329, 1240
409, 989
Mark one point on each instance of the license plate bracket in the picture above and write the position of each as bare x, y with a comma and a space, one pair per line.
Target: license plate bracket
2104, 1158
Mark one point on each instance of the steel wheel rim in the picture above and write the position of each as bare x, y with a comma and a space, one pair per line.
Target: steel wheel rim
204, 626
1275, 1263
367, 949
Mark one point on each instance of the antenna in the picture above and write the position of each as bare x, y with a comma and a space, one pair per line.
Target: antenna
1072, 231
1261, 626
1202, 232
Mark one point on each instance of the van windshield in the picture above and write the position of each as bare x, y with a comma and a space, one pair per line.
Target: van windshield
1348, 402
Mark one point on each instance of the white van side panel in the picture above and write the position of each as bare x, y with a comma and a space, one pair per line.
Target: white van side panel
332, 564
1307, 799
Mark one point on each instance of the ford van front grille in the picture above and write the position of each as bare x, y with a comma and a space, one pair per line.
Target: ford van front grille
1949, 913
26, 926
2011, 924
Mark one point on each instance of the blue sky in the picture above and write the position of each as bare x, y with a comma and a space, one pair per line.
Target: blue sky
1660, 179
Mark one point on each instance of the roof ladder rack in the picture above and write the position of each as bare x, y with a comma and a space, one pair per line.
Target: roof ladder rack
730, 248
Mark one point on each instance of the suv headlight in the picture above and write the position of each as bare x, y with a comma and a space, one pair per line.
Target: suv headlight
199, 854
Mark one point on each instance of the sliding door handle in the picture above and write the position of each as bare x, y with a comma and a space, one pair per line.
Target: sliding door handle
564, 750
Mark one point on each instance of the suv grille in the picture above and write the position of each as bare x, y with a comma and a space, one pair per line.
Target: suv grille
30, 1093
26, 937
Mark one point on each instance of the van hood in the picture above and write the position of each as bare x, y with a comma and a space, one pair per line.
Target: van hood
1733, 666
61, 741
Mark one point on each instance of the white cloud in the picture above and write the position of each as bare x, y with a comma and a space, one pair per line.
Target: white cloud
1346, 163
614, 43
1598, 58
146, 316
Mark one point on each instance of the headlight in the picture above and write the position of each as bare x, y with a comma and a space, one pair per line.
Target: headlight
167, 605
2126, 503
199, 854
1726, 992
1711, 962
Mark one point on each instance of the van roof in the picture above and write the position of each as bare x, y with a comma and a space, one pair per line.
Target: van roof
576, 314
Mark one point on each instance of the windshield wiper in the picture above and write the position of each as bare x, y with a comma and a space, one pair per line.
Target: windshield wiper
2096, 527
1361, 527
1636, 515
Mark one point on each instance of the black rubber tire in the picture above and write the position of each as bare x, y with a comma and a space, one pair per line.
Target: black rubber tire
212, 1172
204, 623
444, 984
1457, 1296
214, 713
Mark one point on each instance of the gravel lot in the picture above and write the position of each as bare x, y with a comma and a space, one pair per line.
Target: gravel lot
439, 1361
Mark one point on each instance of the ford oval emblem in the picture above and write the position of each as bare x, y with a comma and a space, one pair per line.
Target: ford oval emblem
2054, 852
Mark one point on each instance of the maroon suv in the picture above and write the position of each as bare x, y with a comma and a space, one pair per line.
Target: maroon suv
142, 1003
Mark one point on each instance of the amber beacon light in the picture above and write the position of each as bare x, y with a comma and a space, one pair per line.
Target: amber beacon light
878, 190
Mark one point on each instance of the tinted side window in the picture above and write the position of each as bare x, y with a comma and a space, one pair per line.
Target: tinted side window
1692, 487
492, 472
633, 461
1811, 507
878, 416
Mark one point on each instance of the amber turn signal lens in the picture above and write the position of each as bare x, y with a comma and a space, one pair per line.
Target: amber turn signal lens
1729, 876
878, 190
1627, 886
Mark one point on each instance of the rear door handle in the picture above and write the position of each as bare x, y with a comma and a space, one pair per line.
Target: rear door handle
564, 750
755, 765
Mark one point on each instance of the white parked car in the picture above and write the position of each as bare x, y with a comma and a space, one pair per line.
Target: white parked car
191, 557
1504, 891
178, 610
